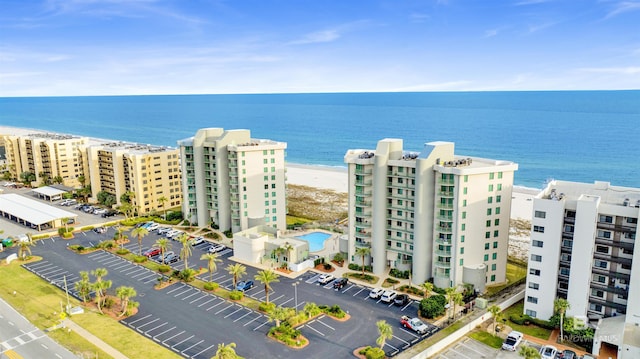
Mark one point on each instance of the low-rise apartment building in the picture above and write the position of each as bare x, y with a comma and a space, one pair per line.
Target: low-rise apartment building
233, 181
434, 213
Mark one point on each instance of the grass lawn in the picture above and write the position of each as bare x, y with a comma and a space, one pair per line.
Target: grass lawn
297, 221
487, 338
530, 329
514, 273
40, 302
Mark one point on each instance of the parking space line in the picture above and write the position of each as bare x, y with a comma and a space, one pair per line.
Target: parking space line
143, 273
130, 270
252, 320
222, 301
190, 295
186, 291
344, 291
202, 351
51, 270
409, 332
213, 298
259, 326
175, 345
96, 254
192, 346
394, 348
248, 312
197, 299
312, 328
273, 299
154, 328
470, 348
223, 309
139, 319
234, 312
174, 289
150, 275
326, 325
406, 306
164, 341
358, 292
402, 340
168, 330
283, 303
147, 323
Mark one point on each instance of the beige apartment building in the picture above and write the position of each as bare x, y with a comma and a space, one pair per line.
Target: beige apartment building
232, 180
434, 213
151, 173
48, 156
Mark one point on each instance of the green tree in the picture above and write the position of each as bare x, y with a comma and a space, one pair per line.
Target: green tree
427, 287
212, 263
27, 177
185, 251
162, 200
83, 286
139, 233
267, 277
100, 286
58, 179
279, 314
528, 352
237, 271
125, 294
560, 305
163, 244
457, 299
24, 247
310, 308
363, 252
385, 331
81, 179
496, 312
449, 295
279, 252
226, 352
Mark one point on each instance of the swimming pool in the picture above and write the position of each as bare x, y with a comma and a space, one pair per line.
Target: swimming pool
315, 240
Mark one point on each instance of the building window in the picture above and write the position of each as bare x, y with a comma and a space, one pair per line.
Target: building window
487, 235
531, 313
499, 175
493, 267
498, 198
488, 211
464, 203
531, 299
495, 245
462, 239
488, 224
464, 215
490, 188
601, 264
496, 222
536, 258
466, 178
534, 271
536, 243
499, 186
606, 219
461, 250
493, 277
398, 244
597, 293
496, 233
540, 214
604, 234
602, 249
463, 227
539, 229
486, 257
491, 175
595, 307
464, 190
494, 256
533, 285
497, 210
486, 246
490, 200
461, 261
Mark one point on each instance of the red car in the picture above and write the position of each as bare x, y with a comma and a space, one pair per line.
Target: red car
151, 252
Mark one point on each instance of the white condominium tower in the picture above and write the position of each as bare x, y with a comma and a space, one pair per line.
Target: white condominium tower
233, 181
433, 213
582, 249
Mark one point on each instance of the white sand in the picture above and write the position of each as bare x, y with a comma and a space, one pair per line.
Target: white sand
334, 178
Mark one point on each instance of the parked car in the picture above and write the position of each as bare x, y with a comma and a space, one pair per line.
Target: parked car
244, 285
152, 227
414, 324
164, 230
100, 230
151, 252
109, 213
99, 211
172, 259
197, 240
511, 342
401, 300
215, 248
388, 296
568, 354
340, 283
168, 255
7, 242
376, 293
173, 234
325, 278
548, 352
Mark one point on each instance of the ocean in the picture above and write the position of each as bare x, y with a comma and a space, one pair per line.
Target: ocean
568, 135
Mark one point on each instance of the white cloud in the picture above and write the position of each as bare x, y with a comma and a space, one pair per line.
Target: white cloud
623, 7
317, 37
419, 17
460, 85
630, 70
530, 2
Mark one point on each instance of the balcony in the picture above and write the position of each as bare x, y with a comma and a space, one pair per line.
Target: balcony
362, 193
442, 264
445, 205
444, 229
446, 180
446, 193
443, 253
608, 288
364, 171
363, 234
446, 242
445, 218
363, 182
363, 203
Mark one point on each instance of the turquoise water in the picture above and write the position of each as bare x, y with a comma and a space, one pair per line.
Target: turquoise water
316, 240
569, 135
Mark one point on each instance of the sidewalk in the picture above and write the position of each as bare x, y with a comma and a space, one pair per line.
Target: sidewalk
94, 340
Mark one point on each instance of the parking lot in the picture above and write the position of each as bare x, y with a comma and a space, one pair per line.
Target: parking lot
192, 322
466, 348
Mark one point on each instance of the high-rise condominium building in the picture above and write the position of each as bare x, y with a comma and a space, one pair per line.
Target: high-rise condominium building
49, 157
233, 181
582, 249
433, 213
150, 173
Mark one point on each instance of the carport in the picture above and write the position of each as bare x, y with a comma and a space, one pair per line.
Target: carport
49, 193
31, 213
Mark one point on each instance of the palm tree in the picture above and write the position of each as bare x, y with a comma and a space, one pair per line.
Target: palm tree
139, 233
310, 308
125, 294
237, 271
65, 221
267, 277
385, 331
100, 289
287, 249
495, 312
528, 352
279, 252
24, 247
363, 252
58, 179
83, 286
185, 252
126, 209
449, 295
560, 305
428, 288
163, 244
226, 352
119, 236
212, 263
162, 200
279, 314
458, 299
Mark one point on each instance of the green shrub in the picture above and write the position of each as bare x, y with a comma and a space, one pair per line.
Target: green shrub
318, 261
175, 273
433, 306
394, 272
109, 302
236, 295
267, 308
518, 319
439, 290
139, 259
372, 353
354, 266
122, 251
327, 266
87, 228
211, 286
188, 275
392, 281
338, 257
164, 268
541, 323
216, 236
228, 233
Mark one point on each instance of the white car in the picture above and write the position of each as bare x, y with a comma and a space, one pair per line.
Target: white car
173, 233
325, 278
99, 211
152, 227
163, 230
215, 248
548, 352
375, 293
511, 342
197, 240
388, 296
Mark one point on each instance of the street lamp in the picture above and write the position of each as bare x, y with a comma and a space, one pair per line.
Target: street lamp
295, 295
66, 290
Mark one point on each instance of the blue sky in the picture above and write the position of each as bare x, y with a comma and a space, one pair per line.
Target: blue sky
110, 47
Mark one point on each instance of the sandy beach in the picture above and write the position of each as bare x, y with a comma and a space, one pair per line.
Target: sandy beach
325, 177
